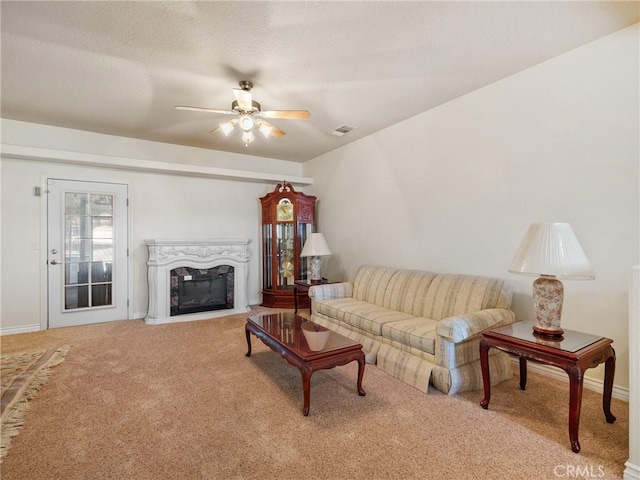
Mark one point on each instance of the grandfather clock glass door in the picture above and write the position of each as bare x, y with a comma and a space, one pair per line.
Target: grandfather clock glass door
285, 241
287, 219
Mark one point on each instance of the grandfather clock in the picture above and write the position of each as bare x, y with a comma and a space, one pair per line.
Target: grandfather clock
287, 218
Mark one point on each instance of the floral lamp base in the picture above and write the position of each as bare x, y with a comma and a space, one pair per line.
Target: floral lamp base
548, 293
316, 266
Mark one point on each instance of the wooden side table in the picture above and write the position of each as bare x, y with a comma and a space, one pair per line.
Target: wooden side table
303, 286
574, 352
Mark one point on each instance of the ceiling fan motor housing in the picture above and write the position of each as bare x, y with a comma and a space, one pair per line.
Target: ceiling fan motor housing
255, 106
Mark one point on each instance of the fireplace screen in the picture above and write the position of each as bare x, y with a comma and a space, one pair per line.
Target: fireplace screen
201, 290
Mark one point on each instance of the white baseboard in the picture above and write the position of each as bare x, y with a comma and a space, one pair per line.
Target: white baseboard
621, 393
20, 329
632, 472
255, 301
196, 316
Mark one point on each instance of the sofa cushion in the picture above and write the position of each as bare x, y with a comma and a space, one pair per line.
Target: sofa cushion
449, 295
359, 314
407, 291
371, 283
417, 332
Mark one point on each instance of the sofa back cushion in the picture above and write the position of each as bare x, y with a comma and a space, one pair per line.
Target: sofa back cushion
449, 295
427, 294
371, 283
407, 291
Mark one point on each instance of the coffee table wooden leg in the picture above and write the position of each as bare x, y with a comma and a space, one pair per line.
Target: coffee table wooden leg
575, 403
306, 388
484, 363
609, 372
361, 364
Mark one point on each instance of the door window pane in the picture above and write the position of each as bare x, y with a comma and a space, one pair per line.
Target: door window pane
101, 295
102, 250
101, 272
101, 205
76, 297
76, 203
77, 250
102, 227
77, 226
76, 273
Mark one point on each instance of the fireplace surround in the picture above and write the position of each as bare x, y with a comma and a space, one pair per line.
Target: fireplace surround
196, 290
202, 257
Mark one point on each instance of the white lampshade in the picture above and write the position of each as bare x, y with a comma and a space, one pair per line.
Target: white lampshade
551, 249
315, 246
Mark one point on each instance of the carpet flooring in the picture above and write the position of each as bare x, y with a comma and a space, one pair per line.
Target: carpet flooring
181, 401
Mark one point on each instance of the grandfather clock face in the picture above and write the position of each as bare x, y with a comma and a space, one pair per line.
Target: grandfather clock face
284, 210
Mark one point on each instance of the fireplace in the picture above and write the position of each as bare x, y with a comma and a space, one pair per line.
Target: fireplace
196, 290
197, 279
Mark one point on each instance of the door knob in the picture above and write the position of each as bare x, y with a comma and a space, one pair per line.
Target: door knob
53, 262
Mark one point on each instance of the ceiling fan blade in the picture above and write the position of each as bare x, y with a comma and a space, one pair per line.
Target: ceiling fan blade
287, 114
204, 109
244, 98
268, 130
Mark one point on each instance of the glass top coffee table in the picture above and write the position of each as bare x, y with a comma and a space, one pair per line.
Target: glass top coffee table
306, 345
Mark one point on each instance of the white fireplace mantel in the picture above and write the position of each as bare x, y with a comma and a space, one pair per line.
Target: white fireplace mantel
166, 255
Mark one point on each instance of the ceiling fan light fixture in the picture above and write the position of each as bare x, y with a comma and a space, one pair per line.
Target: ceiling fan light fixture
227, 127
265, 129
246, 122
247, 138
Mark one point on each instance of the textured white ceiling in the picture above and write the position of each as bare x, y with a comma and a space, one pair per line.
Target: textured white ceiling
121, 67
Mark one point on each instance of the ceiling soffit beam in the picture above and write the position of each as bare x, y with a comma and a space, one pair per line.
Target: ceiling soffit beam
123, 163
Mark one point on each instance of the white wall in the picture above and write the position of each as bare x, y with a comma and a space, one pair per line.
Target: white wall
454, 189
162, 206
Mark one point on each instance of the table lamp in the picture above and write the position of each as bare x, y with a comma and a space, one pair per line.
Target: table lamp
315, 247
552, 251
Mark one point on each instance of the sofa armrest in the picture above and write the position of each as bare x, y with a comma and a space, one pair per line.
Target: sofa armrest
462, 327
331, 290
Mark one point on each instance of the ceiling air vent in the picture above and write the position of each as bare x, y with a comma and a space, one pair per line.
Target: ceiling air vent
342, 130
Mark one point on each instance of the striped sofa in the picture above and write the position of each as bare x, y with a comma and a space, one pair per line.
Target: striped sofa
419, 326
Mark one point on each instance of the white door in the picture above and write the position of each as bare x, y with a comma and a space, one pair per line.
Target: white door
87, 250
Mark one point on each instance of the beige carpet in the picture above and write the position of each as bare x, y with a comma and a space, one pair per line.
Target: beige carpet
181, 401
22, 374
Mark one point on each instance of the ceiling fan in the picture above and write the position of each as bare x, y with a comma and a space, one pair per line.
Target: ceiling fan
249, 115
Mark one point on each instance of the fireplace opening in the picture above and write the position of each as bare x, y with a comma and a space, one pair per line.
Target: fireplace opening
201, 290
